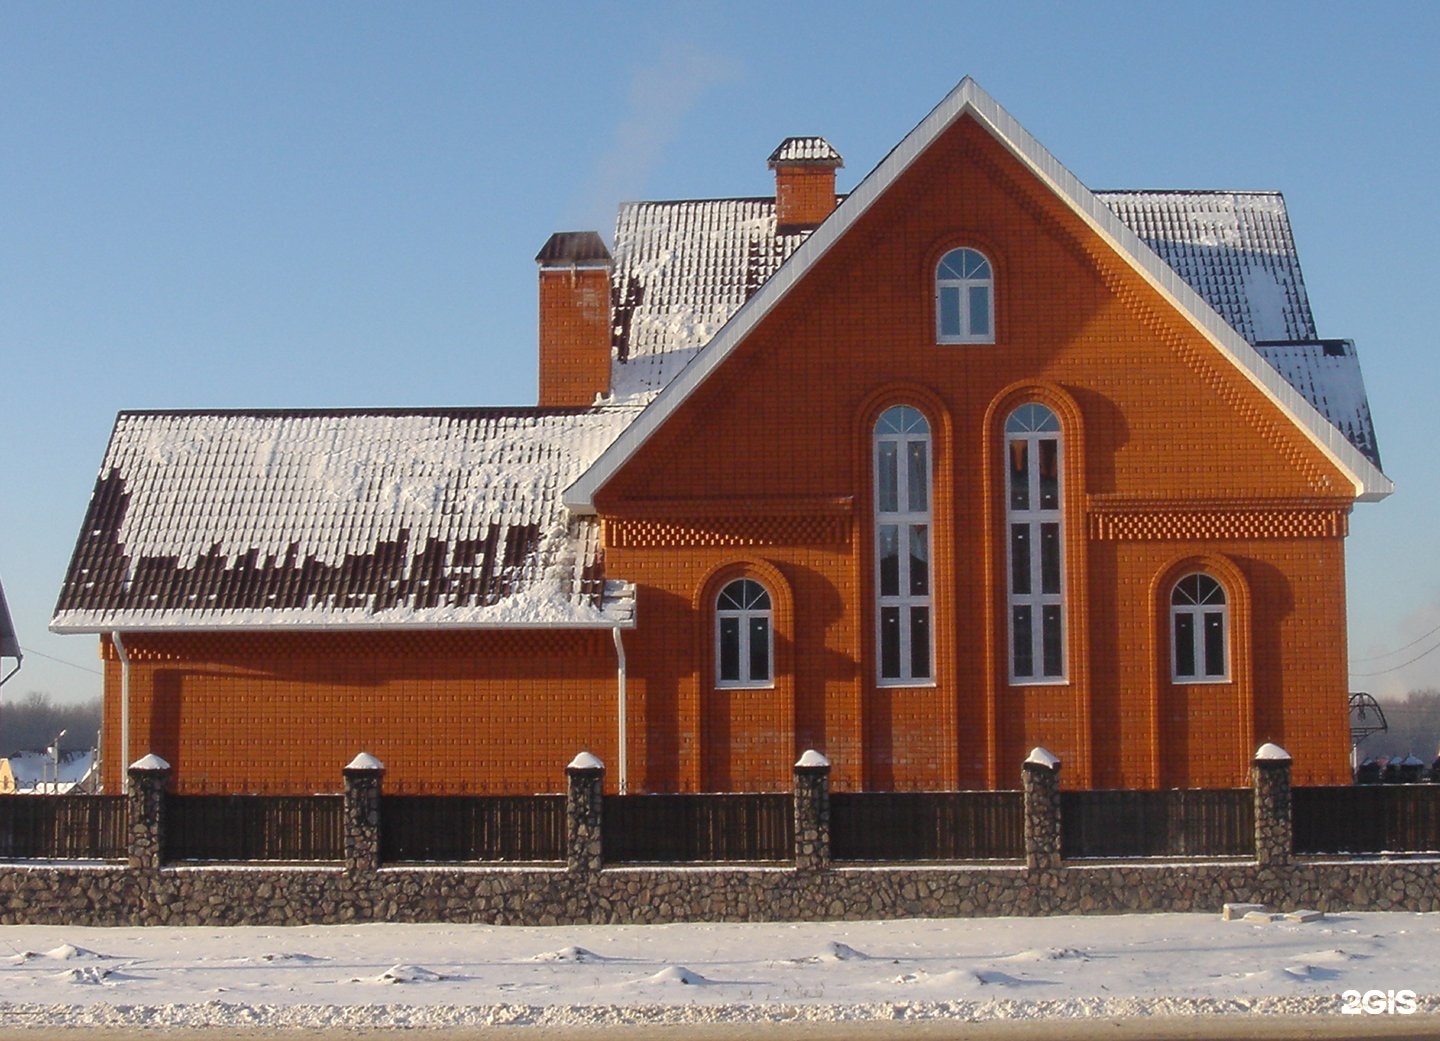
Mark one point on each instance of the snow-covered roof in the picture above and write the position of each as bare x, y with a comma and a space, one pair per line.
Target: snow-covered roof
681, 270
440, 517
33, 768
1227, 260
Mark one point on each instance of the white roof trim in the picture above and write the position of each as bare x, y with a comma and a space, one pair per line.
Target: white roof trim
967, 98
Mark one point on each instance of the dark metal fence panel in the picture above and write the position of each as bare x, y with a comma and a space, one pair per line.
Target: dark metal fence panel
454, 828
62, 827
670, 829
901, 826
1174, 823
254, 827
1391, 818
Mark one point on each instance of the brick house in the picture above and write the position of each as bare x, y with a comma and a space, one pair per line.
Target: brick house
969, 460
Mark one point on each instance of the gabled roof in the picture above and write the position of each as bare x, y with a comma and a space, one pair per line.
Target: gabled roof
343, 518
1287, 298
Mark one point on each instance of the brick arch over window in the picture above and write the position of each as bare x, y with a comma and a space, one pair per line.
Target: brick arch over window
1216, 713
746, 740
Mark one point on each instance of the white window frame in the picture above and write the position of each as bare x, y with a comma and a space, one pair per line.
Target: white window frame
754, 607
1034, 547
1201, 608
905, 429
961, 277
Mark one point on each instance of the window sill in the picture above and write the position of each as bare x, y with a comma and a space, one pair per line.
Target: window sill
905, 684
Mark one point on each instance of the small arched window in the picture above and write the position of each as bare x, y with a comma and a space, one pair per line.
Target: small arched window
1035, 545
1199, 631
902, 546
744, 649
964, 298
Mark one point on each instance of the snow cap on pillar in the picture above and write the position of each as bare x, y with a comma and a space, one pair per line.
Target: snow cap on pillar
1043, 757
585, 761
150, 762
365, 761
811, 759
1270, 752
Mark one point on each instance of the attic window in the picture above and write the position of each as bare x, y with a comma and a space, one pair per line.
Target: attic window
964, 298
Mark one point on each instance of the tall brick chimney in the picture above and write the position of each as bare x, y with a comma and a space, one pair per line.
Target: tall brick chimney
574, 318
804, 181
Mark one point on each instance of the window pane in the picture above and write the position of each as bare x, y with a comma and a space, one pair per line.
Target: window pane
729, 650
979, 310
920, 643
887, 495
1214, 643
1052, 640
1024, 654
1019, 475
890, 643
1019, 558
1049, 474
919, 560
949, 311
889, 553
917, 477
1184, 644
1050, 558
759, 649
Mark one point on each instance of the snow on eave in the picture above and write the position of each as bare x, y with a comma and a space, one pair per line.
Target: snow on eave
196, 623
968, 98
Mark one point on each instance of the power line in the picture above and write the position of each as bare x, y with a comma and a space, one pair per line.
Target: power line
1397, 650
62, 661
1412, 661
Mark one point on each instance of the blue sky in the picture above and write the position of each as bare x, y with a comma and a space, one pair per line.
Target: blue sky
327, 204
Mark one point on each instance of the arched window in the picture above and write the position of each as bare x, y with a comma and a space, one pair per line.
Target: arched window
744, 649
964, 298
1035, 545
1199, 631
902, 546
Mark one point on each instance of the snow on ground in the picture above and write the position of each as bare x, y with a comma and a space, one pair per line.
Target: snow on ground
462, 975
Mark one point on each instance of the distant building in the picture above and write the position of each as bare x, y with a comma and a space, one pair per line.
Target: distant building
970, 460
38, 773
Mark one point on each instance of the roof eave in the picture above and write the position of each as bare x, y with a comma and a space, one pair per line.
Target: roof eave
189, 626
1369, 484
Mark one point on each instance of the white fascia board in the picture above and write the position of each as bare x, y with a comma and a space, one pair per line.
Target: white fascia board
1369, 484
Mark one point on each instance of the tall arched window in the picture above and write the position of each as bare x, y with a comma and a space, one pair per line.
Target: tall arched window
1035, 545
902, 546
744, 649
964, 298
1199, 631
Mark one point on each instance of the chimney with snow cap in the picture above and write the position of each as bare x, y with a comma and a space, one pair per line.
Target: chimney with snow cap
804, 181
574, 318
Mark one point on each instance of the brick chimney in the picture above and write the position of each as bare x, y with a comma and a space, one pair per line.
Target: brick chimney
804, 181
574, 318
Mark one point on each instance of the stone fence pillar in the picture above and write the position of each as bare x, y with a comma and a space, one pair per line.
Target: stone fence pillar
812, 812
363, 777
584, 815
1274, 830
1040, 779
145, 805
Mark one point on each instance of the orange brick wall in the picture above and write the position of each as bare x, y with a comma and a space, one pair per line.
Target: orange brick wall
574, 335
284, 712
1169, 456
804, 194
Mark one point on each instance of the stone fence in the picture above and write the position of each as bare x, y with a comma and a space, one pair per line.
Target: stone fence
146, 890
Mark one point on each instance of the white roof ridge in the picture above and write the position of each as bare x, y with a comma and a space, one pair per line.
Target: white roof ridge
968, 97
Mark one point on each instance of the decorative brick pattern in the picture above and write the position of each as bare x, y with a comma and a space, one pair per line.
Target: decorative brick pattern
1173, 525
